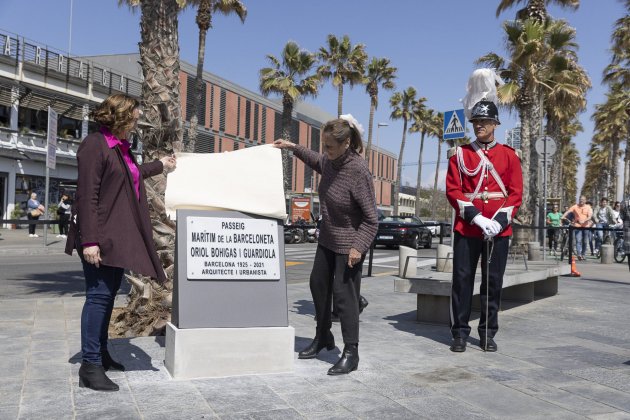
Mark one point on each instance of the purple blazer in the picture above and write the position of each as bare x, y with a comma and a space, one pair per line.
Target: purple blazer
107, 211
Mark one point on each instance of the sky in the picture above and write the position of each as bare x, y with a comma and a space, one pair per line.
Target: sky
433, 43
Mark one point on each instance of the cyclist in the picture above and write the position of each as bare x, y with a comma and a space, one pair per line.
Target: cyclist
624, 213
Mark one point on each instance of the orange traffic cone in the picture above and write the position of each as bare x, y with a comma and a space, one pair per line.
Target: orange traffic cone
574, 272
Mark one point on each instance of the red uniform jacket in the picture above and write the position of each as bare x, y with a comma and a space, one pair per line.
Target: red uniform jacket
467, 173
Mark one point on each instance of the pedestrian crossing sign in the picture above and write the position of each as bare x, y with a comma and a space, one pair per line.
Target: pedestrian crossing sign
454, 127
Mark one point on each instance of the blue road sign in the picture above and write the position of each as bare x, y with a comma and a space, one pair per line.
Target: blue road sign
454, 124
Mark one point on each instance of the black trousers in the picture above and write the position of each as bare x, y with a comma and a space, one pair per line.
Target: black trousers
466, 253
63, 223
332, 280
31, 227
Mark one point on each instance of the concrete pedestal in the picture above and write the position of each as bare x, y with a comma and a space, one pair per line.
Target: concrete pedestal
403, 253
607, 253
215, 352
444, 258
534, 252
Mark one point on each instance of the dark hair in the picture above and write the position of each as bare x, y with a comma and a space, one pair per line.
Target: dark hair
340, 130
617, 203
116, 113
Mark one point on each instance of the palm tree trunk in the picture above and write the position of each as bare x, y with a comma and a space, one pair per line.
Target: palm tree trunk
626, 171
535, 190
287, 121
370, 126
614, 164
399, 172
435, 182
524, 212
419, 181
149, 308
339, 100
203, 15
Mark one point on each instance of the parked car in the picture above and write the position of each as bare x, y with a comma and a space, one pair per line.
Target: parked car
435, 230
403, 230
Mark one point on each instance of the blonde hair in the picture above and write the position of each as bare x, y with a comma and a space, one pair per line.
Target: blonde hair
340, 130
116, 113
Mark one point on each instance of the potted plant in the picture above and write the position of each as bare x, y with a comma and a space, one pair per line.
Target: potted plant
16, 214
52, 214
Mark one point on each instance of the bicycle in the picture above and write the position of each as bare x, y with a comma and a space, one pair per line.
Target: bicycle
563, 241
606, 240
619, 247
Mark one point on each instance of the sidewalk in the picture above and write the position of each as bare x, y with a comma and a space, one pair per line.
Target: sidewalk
566, 356
17, 242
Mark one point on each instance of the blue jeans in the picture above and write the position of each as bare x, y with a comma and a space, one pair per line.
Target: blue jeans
101, 286
582, 237
599, 235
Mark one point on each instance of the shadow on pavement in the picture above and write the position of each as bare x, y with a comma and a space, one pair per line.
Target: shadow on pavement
303, 307
56, 284
406, 322
130, 355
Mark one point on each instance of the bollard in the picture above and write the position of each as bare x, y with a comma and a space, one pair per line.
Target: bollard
533, 251
403, 253
607, 253
444, 259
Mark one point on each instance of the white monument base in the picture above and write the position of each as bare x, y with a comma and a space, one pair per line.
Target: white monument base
214, 352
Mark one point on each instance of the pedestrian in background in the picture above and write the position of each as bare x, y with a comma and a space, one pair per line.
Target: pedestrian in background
581, 213
349, 224
624, 214
64, 209
110, 228
34, 210
553, 221
603, 218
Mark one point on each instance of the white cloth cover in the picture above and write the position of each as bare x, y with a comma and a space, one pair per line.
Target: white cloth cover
247, 180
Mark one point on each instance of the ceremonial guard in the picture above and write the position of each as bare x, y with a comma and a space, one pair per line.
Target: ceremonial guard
484, 185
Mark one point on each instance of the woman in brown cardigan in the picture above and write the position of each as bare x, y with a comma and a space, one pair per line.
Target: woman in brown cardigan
110, 228
349, 225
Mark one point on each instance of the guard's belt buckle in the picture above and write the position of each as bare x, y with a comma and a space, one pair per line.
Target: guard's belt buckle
484, 196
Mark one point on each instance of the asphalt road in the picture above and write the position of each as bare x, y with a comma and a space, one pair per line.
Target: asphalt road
58, 275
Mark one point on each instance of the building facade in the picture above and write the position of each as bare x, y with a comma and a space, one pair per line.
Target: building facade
513, 137
34, 77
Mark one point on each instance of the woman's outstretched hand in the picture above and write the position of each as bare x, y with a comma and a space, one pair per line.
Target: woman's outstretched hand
169, 162
283, 144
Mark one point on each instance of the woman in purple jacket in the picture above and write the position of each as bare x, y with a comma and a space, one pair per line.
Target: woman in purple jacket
349, 225
110, 228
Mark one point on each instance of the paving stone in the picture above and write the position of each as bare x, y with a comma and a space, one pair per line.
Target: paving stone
10, 392
571, 402
235, 400
601, 394
501, 401
287, 383
308, 402
618, 415
368, 405
442, 407
184, 413
9, 412
46, 406
326, 383
48, 345
13, 345
112, 412
48, 371
86, 399
614, 379
13, 365
391, 386
154, 397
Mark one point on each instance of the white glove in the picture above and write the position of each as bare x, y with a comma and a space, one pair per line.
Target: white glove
487, 226
496, 227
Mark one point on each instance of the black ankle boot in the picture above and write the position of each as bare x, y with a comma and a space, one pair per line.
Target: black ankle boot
318, 345
349, 361
109, 363
93, 376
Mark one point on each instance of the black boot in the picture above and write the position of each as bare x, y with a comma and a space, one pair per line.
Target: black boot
109, 363
318, 345
349, 361
93, 377
363, 303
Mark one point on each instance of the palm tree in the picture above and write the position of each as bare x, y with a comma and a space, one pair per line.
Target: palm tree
205, 9
535, 9
379, 73
570, 161
437, 131
342, 62
422, 123
402, 104
534, 49
290, 78
149, 308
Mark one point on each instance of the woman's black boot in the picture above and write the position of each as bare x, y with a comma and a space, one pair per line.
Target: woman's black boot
349, 361
93, 376
109, 363
318, 345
